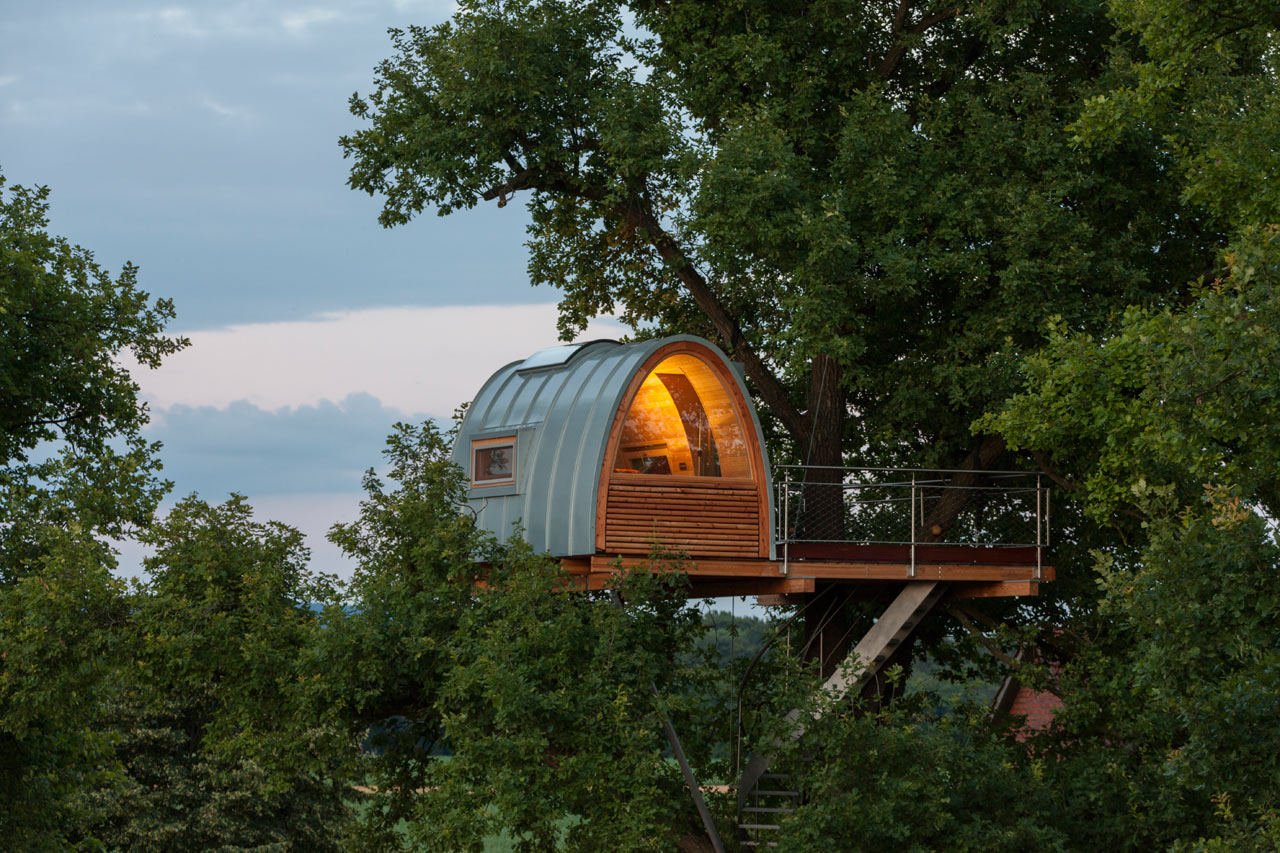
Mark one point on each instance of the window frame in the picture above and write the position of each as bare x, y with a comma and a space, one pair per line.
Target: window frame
479, 444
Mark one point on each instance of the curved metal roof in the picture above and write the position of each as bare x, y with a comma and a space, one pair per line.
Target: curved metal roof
560, 403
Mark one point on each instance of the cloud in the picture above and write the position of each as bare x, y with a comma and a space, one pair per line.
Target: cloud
300, 465
411, 359
250, 408
244, 20
297, 23
243, 448
449, 7
8, 79
175, 20
224, 110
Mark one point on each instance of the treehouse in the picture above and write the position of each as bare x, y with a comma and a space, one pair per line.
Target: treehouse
601, 451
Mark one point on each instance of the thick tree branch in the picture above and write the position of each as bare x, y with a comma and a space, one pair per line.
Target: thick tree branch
1046, 467
961, 614
521, 181
638, 215
996, 652
1046, 637
954, 500
893, 57
39, 422
900, 17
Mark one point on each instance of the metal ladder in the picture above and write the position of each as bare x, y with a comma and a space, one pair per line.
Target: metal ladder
756, 829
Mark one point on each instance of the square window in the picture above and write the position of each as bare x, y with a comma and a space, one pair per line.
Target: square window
493, 462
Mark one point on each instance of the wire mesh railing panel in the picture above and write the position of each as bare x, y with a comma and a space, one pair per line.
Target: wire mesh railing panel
904, 507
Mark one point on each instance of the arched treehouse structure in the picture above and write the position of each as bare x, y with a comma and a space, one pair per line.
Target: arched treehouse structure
602, 450
599, 451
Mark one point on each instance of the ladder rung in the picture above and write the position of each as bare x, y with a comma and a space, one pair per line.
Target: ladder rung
773, 775
759, 826
760, 793
759, 844
782, 809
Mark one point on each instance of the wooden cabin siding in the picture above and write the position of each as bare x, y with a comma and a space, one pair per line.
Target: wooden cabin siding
715, 519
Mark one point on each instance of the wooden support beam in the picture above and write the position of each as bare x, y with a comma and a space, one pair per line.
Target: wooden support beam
779, 600
825, 570
750, 586
700, 567
893, 626
999, 589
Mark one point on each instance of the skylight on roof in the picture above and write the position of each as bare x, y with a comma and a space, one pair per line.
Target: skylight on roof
556, 356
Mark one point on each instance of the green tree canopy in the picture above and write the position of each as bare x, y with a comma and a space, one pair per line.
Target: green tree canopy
938, 234
70, 418
74, 467
1164, 428
493, 696
226, 738
874, 206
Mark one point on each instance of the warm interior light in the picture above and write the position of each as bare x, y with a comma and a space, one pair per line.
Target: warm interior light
682, 422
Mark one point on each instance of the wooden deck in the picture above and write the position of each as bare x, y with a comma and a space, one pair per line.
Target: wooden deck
977, 572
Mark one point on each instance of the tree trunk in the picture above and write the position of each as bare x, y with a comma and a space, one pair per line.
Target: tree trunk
952, 501
821, 514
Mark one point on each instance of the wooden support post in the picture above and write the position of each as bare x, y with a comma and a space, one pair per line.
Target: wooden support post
893, 626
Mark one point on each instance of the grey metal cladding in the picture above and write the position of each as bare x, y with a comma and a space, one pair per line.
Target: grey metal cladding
582, 426
566, 412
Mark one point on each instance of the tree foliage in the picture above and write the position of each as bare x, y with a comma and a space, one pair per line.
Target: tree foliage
73, 468
983, 229
522, 707
957, 235
224, 742
56, 653
64, 321
874, 207
1164, 429
903, 779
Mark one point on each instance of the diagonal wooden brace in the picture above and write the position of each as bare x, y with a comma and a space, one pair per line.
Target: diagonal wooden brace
897, 622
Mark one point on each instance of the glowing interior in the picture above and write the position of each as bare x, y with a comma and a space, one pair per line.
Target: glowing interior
682, 422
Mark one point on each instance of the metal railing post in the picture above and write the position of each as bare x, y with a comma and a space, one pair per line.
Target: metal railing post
786, 522
1039, 527
911, 571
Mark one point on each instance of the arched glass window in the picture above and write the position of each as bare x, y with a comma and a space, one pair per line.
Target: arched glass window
683, 423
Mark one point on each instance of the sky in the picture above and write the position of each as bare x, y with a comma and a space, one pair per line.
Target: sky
200, 142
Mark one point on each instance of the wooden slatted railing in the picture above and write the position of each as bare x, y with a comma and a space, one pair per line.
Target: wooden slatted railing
720, 519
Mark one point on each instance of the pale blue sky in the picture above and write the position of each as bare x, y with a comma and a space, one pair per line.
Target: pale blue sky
199, 140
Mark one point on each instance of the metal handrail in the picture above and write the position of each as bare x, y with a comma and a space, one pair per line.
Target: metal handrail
993, 473
1014, 502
